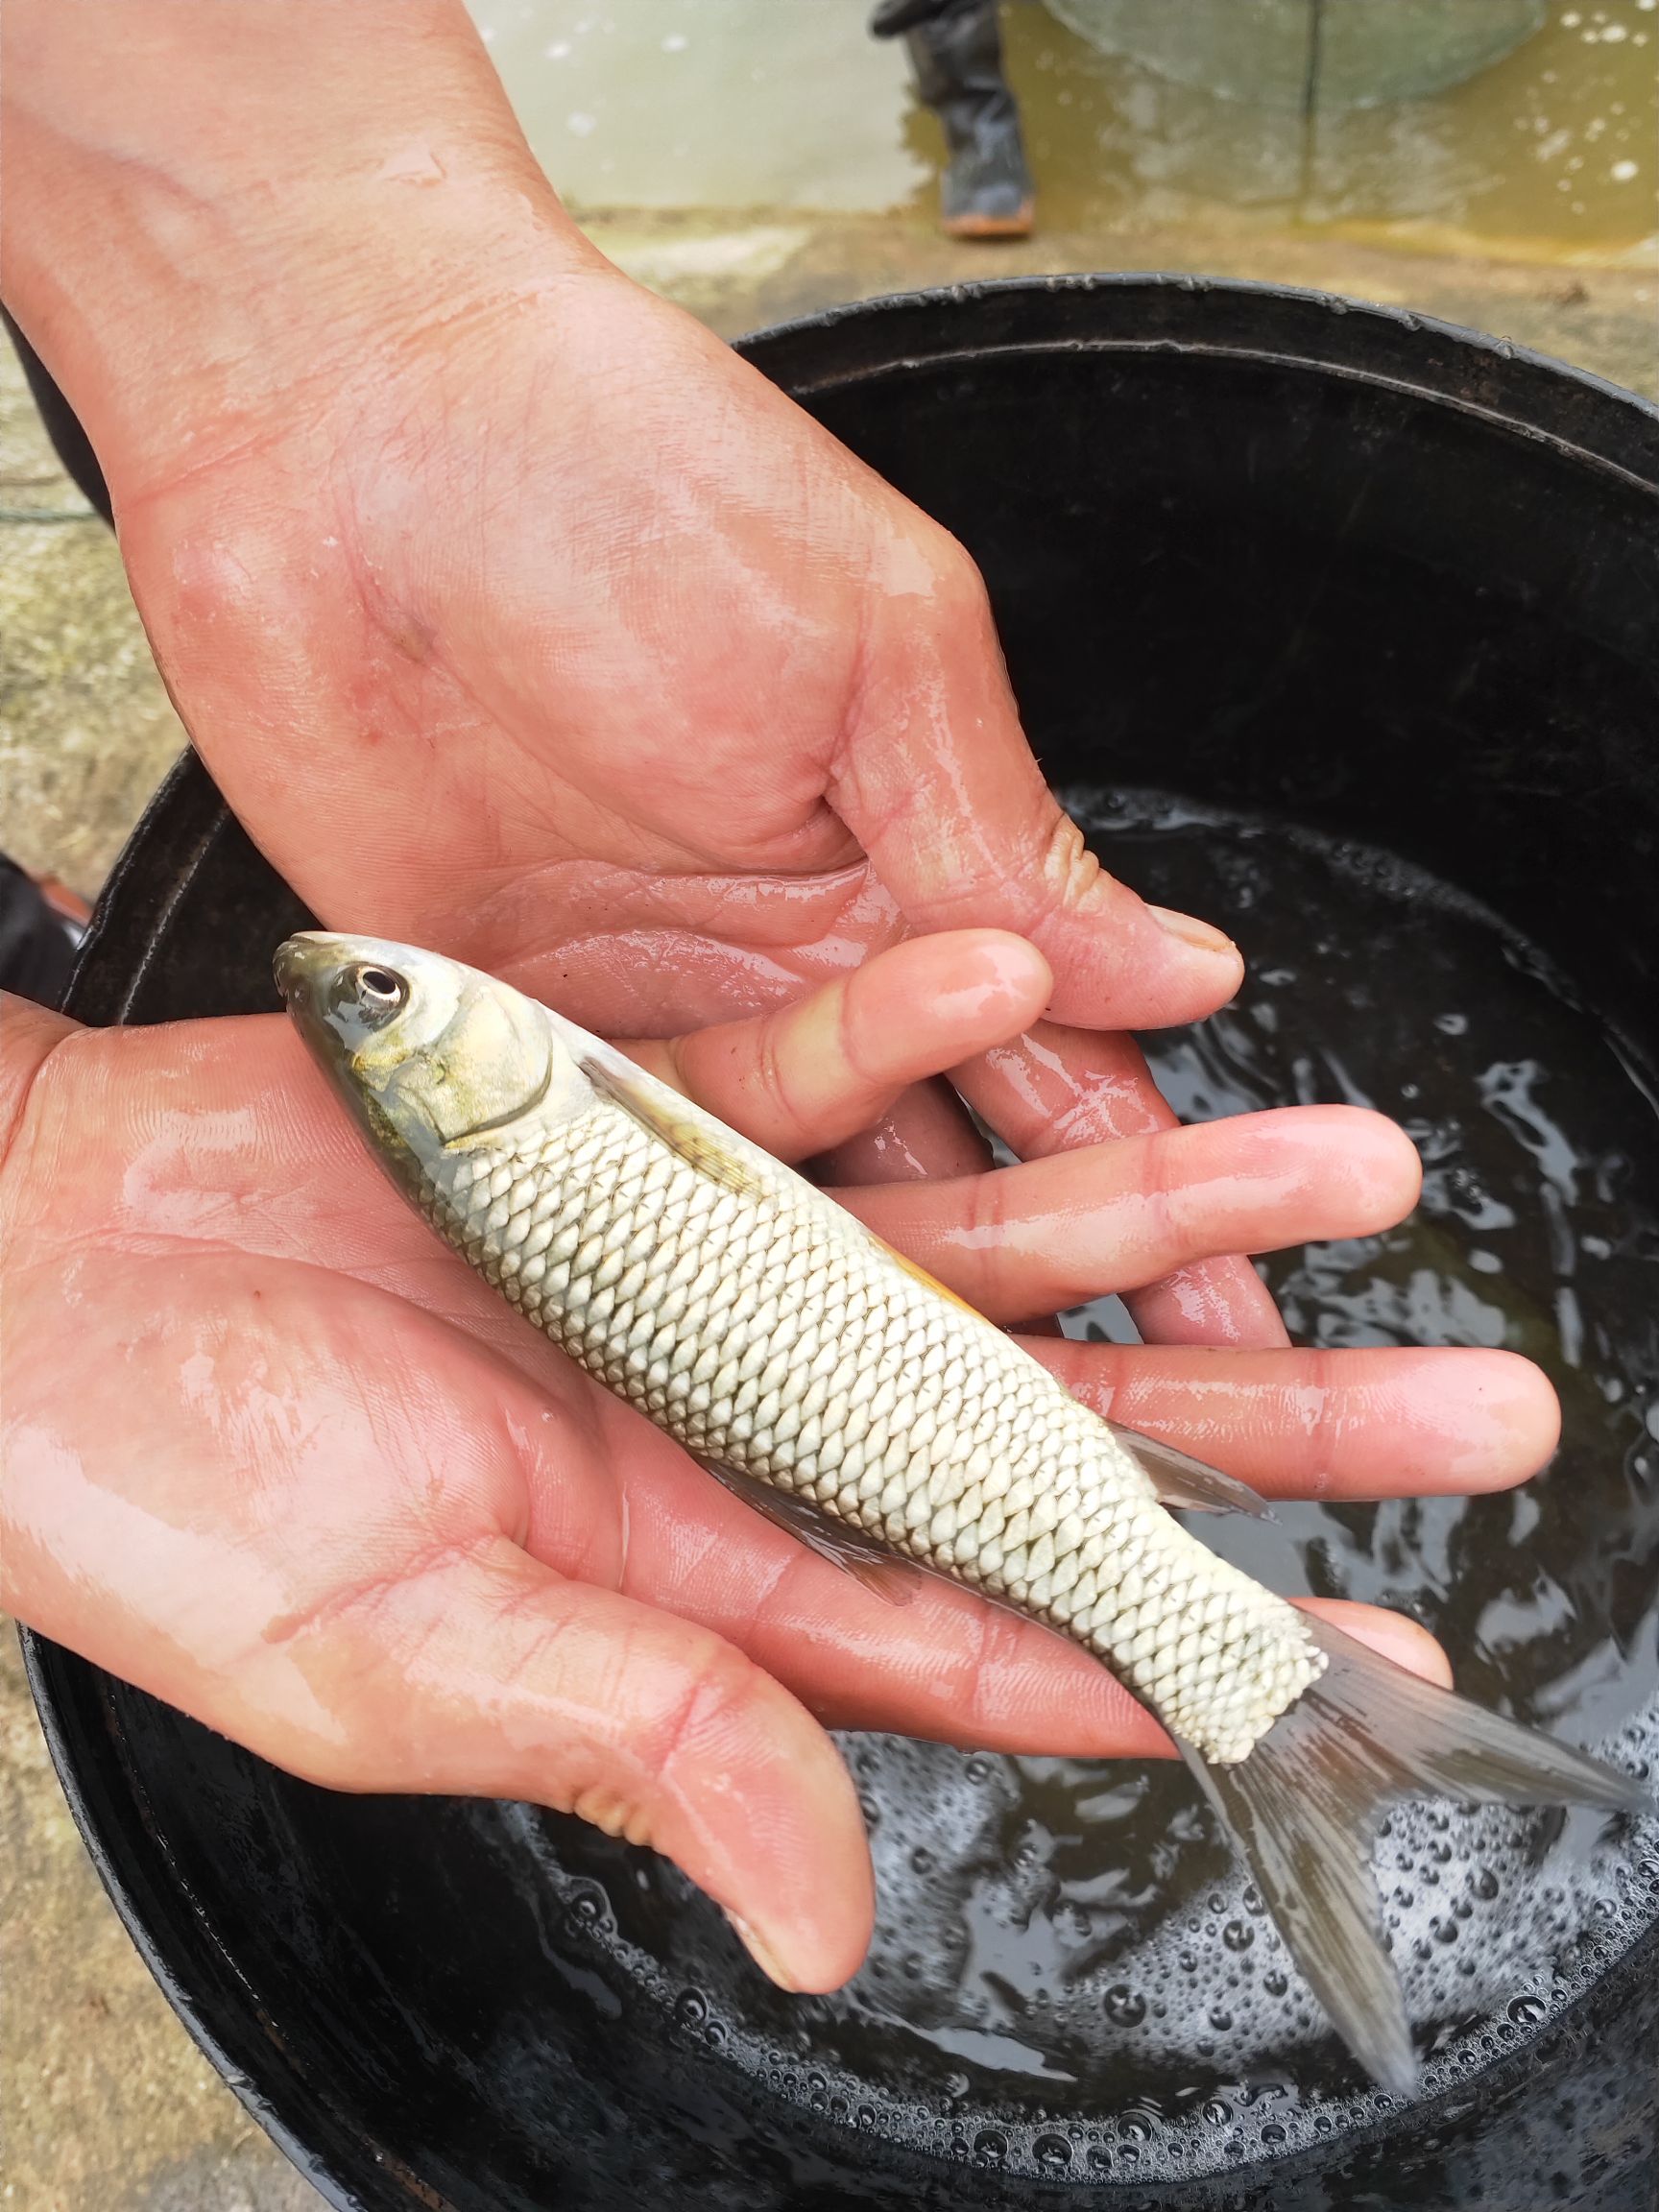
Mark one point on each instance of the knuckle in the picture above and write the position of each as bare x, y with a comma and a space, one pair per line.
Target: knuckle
714, 1702
1322, 1428
1159, 1187
985, 1208
1069, 871
995, 1652
773, 1080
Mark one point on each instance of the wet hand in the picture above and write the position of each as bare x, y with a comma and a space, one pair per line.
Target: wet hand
515, 615
276, 1455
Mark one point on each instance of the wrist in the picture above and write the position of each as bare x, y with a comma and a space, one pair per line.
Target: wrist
213, 210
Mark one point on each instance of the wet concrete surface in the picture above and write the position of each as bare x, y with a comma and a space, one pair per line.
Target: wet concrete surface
108, 2106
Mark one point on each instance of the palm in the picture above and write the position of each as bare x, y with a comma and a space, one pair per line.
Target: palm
278, 1457
594, 641
655, 701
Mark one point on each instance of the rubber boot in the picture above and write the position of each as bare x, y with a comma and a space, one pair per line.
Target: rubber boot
957, 52
41, 924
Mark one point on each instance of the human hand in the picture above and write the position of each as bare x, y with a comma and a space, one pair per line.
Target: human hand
276, 1455
513, 613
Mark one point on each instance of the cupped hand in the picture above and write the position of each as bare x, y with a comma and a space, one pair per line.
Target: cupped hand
515, 614
276, 1455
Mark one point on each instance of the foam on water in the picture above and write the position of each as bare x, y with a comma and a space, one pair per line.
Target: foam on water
1070, 1975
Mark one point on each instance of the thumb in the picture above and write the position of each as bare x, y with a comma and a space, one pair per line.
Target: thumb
936, 781
497, 1678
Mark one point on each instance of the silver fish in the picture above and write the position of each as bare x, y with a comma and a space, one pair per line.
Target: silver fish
840, 1389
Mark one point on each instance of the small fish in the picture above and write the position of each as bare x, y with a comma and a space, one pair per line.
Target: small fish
840, 1389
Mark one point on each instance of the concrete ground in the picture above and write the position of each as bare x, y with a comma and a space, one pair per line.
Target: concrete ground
108, 2105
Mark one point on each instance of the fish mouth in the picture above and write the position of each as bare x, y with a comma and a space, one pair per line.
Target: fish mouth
303, 963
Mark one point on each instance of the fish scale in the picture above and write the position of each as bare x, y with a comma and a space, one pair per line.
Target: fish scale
767, 1332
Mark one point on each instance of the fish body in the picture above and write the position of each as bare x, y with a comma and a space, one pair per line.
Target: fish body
767, 1329
775, 1338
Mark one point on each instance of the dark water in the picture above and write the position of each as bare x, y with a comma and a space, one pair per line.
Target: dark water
1070, 1975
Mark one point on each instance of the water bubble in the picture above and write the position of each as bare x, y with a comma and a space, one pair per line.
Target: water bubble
1237, 1936
990, 2147
1053, 2153
590, 1907
1527, 2011
1123, 2006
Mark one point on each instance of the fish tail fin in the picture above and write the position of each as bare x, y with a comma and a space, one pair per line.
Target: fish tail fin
1303, 1809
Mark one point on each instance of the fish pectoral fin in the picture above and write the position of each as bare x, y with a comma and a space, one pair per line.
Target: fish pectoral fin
653, 1107
1186, 1484
865, 1558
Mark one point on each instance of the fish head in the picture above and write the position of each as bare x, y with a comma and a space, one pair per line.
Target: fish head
428, 1054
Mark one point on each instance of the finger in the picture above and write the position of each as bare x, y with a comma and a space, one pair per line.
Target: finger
1054, 1232
813, 1073
945, 1666
510, 1682
938, 783
1055, 1089
926, 1133
1395, 1635
1371, 1424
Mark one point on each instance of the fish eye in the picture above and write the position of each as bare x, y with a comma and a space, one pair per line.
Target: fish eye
381, 986
377, 994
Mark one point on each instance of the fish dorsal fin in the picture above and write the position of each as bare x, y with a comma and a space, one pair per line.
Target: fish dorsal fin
1186, 1484
655, 1108
868, 1560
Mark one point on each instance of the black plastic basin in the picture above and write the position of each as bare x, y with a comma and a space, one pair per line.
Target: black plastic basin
1315, 562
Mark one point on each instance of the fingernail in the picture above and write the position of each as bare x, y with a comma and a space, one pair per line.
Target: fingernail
759, 1952
1191, 931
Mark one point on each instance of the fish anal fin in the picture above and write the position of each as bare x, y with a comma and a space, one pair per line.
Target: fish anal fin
693, 1139
866, 1559
1186, 1484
